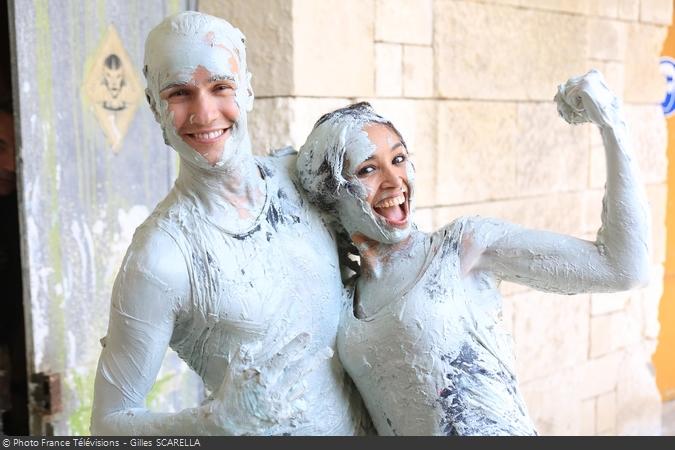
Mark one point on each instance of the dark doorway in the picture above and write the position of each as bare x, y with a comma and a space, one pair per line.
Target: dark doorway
13, 380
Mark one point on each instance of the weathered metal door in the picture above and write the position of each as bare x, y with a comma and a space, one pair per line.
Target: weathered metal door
92, 165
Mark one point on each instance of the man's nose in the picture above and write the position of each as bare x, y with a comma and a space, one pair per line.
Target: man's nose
205, 110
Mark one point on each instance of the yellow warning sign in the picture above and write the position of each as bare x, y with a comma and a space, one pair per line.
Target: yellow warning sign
113, 88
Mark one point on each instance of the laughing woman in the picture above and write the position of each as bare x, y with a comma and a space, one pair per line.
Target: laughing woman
422, 340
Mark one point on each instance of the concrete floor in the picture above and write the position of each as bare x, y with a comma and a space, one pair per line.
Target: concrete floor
668, 426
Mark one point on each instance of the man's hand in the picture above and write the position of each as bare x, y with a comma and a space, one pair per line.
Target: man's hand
263, 389
587, 99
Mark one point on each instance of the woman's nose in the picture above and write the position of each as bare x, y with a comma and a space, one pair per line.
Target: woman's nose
392, 178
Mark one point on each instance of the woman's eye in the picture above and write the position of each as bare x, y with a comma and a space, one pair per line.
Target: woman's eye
365, 171
399, 159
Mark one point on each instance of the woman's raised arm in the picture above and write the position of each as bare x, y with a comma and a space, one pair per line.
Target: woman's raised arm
619, 257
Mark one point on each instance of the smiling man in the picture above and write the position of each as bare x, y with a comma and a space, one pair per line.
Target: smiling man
233, 269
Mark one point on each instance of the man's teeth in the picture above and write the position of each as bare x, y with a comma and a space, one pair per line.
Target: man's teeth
389, 202
209, 135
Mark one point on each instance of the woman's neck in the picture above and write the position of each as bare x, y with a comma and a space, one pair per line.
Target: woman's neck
388, 270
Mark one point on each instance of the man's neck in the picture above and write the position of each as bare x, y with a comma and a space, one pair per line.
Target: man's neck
232, 197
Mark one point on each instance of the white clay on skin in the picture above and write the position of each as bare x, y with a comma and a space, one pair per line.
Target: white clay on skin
426, 348
234, 271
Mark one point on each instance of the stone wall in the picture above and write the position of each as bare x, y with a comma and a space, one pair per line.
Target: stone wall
470, 85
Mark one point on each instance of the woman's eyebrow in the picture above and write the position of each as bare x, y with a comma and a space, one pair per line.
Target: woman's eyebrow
397, 145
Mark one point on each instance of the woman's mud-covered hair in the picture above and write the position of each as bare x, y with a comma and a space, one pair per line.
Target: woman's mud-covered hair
321, 160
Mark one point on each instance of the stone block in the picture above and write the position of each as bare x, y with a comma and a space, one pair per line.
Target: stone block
648, 137
656, 11
507, 315
587, 417
424, 219
604, 8
638, 402
551, 155
562, 213
599, 375
269, 124
568, 6
267, 25
418, 71
388, 70
591, 210
614, 73
403, 21
657, 197
305, 112
607, 39
498, 52
333, 54
416, 120
550, 332
281, 121
554, 404
507, 288
629, 9
476, 151
597, 167
650, 300
644, 82
609, 303
608, 333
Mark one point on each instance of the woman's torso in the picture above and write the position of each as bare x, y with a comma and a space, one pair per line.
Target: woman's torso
435, 361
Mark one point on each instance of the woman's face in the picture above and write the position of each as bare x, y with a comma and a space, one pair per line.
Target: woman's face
378, 205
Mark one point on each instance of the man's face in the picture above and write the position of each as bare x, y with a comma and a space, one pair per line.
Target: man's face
7, 157
204, 109
200, 93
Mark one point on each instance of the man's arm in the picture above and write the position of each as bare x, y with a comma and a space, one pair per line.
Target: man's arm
619, 257
151, 284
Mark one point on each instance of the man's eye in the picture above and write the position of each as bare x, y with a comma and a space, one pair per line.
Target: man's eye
224, 88
178, 93
365, 171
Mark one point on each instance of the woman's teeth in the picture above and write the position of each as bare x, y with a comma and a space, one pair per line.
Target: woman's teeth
389, 202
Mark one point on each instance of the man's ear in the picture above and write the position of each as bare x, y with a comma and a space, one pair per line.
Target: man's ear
153, 105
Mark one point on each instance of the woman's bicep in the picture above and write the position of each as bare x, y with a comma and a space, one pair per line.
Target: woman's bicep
540, 259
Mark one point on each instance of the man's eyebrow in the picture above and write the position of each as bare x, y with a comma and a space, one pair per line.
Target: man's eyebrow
221, 78
173, 85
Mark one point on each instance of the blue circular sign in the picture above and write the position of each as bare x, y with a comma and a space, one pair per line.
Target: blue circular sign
667, 69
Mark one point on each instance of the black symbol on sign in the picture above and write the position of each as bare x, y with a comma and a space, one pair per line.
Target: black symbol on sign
113, 80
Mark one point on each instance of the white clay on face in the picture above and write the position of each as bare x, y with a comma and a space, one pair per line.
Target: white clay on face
174, 52
327, 168
354, 211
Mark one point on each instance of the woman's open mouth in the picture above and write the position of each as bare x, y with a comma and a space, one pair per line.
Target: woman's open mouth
394, 210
